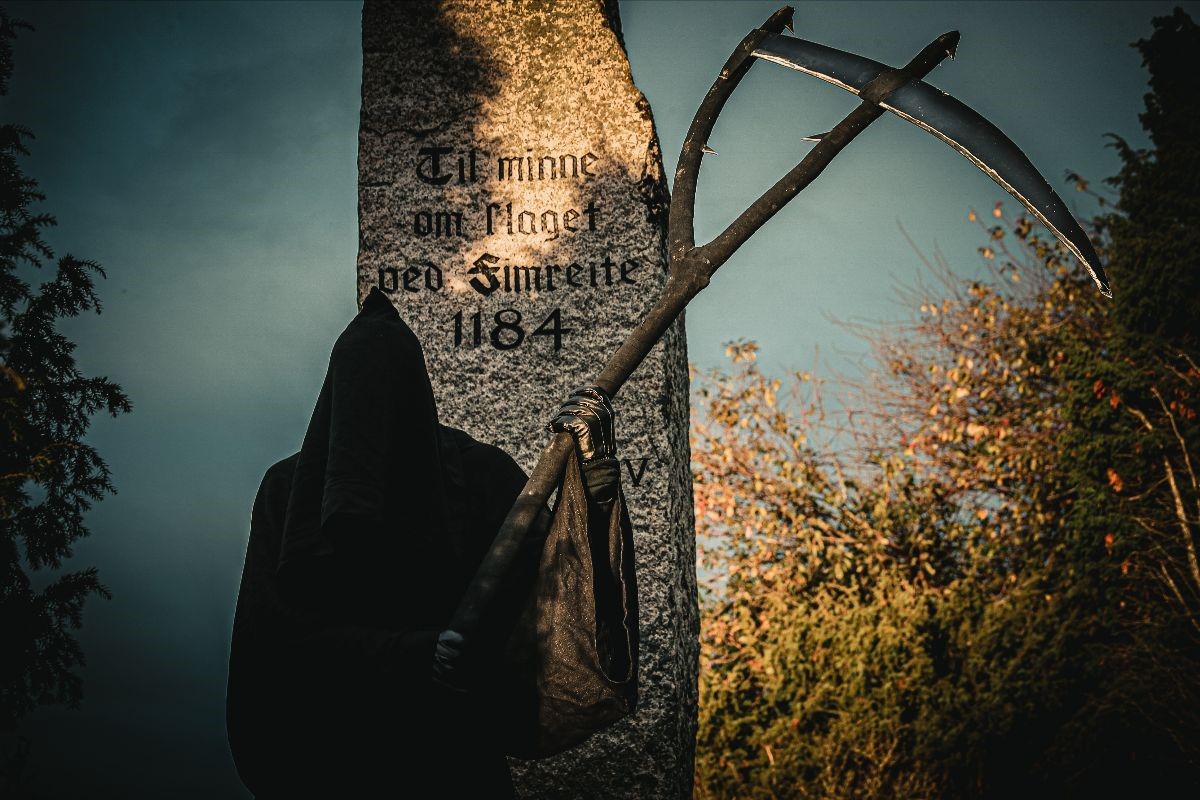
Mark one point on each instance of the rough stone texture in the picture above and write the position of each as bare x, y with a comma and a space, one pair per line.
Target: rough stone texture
532, 104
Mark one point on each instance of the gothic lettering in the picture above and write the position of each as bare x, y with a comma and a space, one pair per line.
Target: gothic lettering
523, 221
410, 276
430, 170
462, 170
585, 161
573, 271
491, 275
635, 477
519, 172
437, 223
429, 166
433, 278
485, 266
530, 167
392, 285
526, 222
392, 280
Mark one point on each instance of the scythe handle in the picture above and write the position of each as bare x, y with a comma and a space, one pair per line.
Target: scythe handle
690, 270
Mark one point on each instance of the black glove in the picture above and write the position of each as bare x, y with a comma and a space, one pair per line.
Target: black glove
448, 667
588, 417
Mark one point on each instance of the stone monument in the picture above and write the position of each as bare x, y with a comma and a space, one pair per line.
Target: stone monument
512, 205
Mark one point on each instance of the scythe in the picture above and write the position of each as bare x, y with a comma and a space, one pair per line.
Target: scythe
881, 88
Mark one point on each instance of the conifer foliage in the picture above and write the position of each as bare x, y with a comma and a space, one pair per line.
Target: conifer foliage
49, 477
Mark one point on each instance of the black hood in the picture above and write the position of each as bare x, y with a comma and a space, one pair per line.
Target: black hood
370, 467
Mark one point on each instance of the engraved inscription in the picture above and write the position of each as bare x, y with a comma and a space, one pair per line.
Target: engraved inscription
507, 331
509, 218
636, 469
530, 167
528, 222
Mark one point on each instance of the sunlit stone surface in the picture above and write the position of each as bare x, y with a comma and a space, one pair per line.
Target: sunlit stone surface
512, 204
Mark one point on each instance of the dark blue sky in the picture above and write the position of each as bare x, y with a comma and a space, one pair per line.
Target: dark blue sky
205, 154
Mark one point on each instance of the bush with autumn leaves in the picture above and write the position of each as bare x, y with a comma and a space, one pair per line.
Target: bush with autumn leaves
986, 585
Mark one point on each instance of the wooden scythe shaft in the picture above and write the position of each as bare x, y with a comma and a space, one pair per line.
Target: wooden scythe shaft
691, 268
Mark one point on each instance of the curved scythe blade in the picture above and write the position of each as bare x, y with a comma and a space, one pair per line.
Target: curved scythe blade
956, 124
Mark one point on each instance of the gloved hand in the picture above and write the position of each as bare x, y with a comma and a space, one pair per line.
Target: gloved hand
448, 668
588, 416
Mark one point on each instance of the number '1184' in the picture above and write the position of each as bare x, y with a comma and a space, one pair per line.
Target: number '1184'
506, 333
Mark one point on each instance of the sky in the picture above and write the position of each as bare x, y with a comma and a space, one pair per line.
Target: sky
205, 155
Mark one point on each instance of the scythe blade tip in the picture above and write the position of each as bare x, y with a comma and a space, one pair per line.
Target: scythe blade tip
950, 41
780, 19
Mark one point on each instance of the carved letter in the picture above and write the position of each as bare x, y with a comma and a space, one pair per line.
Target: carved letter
527, 271
569, 216
572, 271
462, 172
526, 217
562, 166
542, 168
410, 276
636, 478
441, 223
434, 175
422, 223
433, 277
517, 161
585, 161
608, 264
626, 268
485, 265
394, 275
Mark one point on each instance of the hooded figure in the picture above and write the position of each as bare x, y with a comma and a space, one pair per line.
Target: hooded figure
360, 547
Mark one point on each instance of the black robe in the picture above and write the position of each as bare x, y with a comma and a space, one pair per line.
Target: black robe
360, 546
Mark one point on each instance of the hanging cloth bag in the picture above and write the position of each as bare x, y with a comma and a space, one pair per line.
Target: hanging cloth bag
570, 668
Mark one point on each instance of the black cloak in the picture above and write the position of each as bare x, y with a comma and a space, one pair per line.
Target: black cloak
360, 547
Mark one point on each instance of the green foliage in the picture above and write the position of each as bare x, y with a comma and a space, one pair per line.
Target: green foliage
1155, 240
993, 589
48, 476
